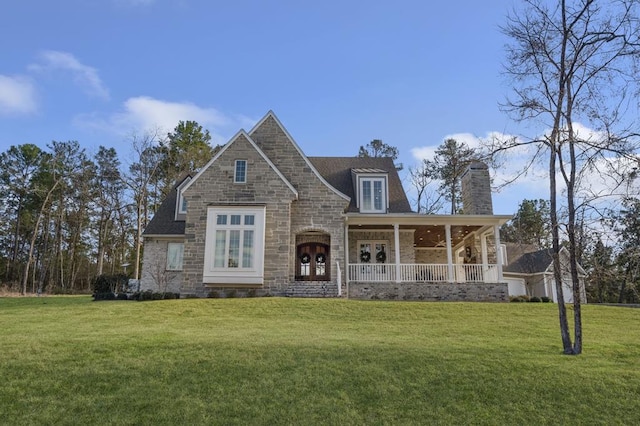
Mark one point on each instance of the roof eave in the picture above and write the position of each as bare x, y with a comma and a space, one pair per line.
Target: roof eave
421, 219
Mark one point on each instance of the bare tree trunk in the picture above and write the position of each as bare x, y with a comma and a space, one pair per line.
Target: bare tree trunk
25, 278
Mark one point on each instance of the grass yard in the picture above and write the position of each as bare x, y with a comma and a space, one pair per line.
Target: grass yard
68, 360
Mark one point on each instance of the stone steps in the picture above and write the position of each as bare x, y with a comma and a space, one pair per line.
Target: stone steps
312, 289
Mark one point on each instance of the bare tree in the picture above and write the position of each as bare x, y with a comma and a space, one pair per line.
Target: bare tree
428, 200
142, 176
570, 61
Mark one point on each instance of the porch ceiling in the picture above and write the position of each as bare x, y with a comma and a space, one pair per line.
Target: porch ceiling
429, 236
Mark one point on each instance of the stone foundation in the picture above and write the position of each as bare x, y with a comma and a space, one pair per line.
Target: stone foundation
436, 292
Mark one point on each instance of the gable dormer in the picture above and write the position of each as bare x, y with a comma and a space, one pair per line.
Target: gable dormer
181, 202
371, 187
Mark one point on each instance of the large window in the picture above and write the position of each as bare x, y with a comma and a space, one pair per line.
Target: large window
240, 174
373, 195
234, 245
175, 252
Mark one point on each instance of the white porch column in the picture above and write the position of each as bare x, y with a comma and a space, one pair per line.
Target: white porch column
396, 242
447, 233
346, 257
485, 252
496, 235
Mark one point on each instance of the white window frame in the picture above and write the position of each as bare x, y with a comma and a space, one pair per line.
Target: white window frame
181, 204
385, 193
239, 274
235, 171
175, 256
373, 248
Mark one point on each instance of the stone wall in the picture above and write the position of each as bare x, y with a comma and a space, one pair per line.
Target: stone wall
154, 276
407, 251
216, 187
440, 292
431, 256
476, 189
318, 207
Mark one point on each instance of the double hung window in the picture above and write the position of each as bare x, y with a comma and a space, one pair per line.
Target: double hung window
234, 248
373, 195
175, 252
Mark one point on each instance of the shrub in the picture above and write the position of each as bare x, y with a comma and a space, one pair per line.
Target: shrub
545, 299
519, 299
104, 296
231, 293
213, 294
535, 299
171, 295
146, 295
122, 296
106, 283
251, 292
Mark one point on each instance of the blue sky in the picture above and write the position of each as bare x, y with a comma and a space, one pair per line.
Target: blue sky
337, 73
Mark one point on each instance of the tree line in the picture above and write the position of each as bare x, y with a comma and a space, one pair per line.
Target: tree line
66, 216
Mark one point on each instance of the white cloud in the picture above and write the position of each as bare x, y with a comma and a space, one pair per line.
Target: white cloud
87, 77
144, 113
17, 95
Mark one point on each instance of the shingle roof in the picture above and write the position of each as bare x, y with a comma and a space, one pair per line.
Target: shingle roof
164, 220
337, 171
531, 263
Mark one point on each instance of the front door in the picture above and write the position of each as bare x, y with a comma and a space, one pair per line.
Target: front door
312, 262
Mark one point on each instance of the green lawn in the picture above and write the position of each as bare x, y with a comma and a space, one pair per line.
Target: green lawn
68, 360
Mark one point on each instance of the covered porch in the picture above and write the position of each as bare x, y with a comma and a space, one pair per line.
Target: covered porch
412, 248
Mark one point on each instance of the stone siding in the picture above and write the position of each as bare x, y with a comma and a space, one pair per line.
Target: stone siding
154, 276
318, 208
216, 187
407, 251
431, 256
441, 292
476, 189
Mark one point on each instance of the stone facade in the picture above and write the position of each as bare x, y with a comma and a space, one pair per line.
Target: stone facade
315, 207
155, 276
407, 252
300, 207
431, 256
441, 292
318, 207
476, 189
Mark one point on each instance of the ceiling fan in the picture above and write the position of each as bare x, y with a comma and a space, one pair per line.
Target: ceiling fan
440, 243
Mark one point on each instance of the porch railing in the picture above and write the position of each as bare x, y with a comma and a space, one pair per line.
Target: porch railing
418, 272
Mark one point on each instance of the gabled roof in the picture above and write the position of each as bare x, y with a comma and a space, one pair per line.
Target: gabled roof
271, 115
531, 263
337, 171
164, 220
536, 262
255, 146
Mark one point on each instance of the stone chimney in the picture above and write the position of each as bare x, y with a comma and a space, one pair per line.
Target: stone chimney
476, 189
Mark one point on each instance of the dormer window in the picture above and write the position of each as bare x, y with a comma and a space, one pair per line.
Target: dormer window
373, 191
240, 174
373, 195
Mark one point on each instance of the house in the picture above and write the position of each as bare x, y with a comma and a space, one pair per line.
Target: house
263, 218
530, 272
